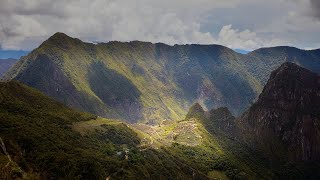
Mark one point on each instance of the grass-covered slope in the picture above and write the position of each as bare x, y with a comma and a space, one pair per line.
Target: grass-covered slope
137, 80
42, 139
141, 81
228, 146
219, 149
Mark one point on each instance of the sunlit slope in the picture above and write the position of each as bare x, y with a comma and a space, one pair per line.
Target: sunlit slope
42, 139
137, 80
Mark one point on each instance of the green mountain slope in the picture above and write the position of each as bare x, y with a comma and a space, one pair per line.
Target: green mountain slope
221, 148
137, 80
141, 81
42, 139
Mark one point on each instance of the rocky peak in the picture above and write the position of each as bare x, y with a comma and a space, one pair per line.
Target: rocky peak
195, 111
221, 114
290, 88
223, 121
285, 121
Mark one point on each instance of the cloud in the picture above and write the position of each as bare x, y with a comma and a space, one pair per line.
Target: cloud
246, 24
315, 5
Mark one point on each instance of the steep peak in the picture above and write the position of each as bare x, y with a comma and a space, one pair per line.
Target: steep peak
288, 112
289, 79
289, 71
221, 114
61, 40
60, 36
195, 111
221, 122
196, 108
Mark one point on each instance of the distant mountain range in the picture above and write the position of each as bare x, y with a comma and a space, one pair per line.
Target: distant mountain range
5, 65
13, 54
241, 51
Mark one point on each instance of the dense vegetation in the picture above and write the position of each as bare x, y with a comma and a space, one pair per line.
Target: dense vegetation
45, 139
37, 134
42, 139
156, 84
140, 81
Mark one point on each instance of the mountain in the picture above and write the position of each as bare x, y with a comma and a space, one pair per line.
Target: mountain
262, 62
285, 121
241, 51
216, 121
220, 128
136, 80
222, 120
144, 82
281, 131
42, 139
5, 65
196, 111
14, 54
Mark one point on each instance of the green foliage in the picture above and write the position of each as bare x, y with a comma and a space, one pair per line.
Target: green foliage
144, 81
43, 139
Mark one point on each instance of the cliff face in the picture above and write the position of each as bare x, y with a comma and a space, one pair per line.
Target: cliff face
222, 119
285, 121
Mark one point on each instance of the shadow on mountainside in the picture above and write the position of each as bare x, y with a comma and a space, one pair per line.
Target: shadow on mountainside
116, 91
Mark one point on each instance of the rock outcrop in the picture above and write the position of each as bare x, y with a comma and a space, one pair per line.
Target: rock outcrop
285, 121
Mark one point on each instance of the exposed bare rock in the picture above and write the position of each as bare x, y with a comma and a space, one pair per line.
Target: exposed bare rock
285, 121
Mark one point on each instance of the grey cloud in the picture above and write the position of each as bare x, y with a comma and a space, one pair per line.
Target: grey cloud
315, 5
32, 7
245, 24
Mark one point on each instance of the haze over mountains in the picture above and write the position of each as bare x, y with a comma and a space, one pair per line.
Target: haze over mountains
5, 65
13, 54
141, 81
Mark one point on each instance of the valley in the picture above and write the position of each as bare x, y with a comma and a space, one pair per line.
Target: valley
138, 110
145, 82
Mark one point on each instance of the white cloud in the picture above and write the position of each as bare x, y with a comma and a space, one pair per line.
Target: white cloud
25, 23
234, 38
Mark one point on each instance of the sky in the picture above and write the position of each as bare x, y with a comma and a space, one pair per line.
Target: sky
237, 24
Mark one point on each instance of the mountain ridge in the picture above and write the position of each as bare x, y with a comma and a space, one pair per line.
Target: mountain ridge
210, 74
